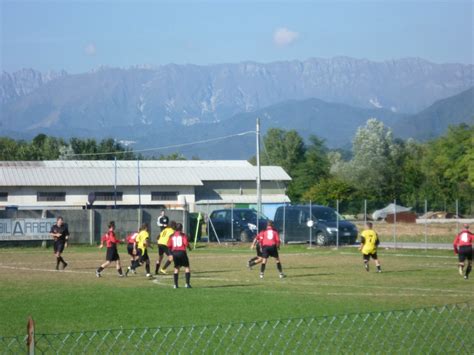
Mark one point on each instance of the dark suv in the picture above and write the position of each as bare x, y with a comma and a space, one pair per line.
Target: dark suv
242, 227
293, 220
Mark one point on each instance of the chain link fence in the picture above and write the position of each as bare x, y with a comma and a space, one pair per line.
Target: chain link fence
425, 224
437, 330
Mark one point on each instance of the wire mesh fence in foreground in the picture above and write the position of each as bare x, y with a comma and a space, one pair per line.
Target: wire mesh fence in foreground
443, 329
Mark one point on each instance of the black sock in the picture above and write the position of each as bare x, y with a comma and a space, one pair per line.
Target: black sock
188, 277
253, 259
166, 264
251, 263
135, 264
175, 277
58, 260
468, 270
147, 268
100, 269
120, 271
62, 260
262, 268
279, 267
378, 267
157, 267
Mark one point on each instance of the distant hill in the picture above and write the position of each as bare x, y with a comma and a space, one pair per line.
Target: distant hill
336, 123
173, 104
150, 97
434, 120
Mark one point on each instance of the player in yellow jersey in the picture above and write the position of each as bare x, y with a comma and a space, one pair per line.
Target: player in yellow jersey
163, 239
142, 243
369, 242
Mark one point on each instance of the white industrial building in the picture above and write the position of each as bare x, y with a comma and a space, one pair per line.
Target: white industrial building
148, 183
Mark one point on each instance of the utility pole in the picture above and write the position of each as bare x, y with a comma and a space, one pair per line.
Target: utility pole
259, 176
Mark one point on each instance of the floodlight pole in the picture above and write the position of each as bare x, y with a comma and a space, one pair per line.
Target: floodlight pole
259, 177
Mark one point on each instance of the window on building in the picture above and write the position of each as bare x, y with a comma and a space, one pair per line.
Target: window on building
164, 195
51, 196
3, 196
108, 196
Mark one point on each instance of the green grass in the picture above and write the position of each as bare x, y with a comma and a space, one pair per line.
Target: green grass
321, 281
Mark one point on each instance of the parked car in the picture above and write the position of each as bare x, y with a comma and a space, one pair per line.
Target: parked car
293, 222
241, 227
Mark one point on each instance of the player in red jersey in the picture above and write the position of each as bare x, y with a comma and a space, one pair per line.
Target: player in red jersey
112, 254
270, 243
463, 247
131, 239
178, 243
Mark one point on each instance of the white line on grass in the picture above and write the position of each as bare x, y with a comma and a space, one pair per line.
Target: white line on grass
446, 292
44, 270
411, 255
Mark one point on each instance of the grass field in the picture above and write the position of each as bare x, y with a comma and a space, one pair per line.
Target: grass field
321, 281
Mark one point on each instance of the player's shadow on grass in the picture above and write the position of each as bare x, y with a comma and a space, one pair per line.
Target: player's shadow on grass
309, 275
232, 285
302, 267
401, 271
214, 271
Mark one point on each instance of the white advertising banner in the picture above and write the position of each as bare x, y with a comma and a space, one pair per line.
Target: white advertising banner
25, 228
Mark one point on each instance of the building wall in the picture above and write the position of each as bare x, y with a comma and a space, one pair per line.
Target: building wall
87, 226
212, 189
78, 196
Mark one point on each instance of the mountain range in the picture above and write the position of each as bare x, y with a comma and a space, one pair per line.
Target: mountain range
158, 106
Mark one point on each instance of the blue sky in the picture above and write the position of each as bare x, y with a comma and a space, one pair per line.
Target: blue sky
78, 36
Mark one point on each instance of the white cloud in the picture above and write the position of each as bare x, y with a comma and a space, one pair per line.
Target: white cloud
283, 36
90, 49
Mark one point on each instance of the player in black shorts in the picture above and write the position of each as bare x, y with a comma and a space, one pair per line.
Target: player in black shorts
112, 253
463, 247
60, 234
269, 239
178, 243
163, 249
256, 259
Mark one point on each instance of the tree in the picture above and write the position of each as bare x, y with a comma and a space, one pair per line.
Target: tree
314, 166
448, 165
283, 148
305, 163
374, 153
328, 190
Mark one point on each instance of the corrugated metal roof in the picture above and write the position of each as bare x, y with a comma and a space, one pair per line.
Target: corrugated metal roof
126, 163
152, 173
245, 199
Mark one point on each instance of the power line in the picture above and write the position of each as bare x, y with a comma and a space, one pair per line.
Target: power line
164, 147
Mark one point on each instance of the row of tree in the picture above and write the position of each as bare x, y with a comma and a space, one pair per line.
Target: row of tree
379, 169
43, 147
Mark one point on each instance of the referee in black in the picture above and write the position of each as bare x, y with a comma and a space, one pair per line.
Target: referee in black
162, 221
60, 234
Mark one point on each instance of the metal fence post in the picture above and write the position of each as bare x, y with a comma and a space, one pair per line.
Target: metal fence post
457, 214
311, 227
337, 224
426, 225
395, 222
91, 226
365, 211
207, 225
232, 220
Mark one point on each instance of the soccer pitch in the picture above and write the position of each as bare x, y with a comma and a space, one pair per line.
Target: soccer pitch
320, 281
